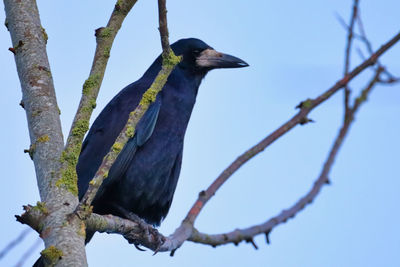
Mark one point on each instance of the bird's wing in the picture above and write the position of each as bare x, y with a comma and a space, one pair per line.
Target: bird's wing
148, 122
144, 130
107, 127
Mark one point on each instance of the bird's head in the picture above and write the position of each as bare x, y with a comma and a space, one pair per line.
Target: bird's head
199, 57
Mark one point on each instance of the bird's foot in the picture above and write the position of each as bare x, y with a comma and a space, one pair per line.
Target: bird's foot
146, 235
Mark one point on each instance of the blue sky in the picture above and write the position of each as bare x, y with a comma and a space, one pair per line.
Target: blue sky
295, 50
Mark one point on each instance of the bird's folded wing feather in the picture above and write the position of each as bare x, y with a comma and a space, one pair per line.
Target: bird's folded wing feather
144, 130
105, 130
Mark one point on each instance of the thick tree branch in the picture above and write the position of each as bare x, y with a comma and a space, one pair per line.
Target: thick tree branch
38, 94
104, 38
39, 100
170, 60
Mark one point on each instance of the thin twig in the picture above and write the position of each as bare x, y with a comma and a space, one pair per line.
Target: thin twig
28, 252
348, 54
363, 37
163, 26
15, 242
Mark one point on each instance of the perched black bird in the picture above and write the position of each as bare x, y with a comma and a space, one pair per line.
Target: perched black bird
144, 176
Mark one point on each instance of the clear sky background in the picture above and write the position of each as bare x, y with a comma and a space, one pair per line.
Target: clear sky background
295, 50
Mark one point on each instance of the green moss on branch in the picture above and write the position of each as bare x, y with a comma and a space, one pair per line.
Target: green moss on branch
92, 82
42, 139
51, 255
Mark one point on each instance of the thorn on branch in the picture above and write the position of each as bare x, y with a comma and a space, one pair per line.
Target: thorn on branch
15, 48
267, 237
305, 120
251, 240
22, 104
31, 150
172, 252
12, 50
6, 24
202, 193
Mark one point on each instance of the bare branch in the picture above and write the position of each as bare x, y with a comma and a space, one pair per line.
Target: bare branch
348, 53
14, 242
163, 27
28, 253
300, 117
363, 37
239, 235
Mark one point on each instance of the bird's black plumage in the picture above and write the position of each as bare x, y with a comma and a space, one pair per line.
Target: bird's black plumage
144, 176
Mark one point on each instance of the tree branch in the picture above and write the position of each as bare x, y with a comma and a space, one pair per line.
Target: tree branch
350, 31
363, 37
104, 38
39, 100
38, 94
163, 27
248, 234
299, 118
28, 253
15, 242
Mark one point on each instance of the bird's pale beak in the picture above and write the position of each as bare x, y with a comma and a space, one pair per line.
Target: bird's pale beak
210, 58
